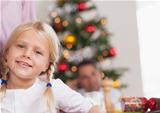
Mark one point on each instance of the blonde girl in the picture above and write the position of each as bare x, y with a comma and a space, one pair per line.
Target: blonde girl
33, 50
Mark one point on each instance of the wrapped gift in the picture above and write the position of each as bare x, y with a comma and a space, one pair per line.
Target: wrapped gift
134, 104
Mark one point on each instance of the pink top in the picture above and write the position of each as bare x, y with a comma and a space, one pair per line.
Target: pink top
13, 13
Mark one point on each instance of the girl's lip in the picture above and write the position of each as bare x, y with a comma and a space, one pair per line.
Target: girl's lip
24, 63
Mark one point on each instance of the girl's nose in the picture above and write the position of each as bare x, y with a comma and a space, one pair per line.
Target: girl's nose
27, 53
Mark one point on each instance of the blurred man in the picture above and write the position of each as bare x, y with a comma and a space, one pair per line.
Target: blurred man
90, 82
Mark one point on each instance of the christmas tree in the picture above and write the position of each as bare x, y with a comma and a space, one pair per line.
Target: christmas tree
83, 35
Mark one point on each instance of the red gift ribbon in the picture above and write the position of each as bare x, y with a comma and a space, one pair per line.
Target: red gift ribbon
141, 105
152, 104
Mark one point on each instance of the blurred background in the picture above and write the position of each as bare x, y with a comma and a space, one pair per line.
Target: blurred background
121, 17
121, 38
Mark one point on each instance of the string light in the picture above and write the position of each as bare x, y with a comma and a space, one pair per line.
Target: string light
65, 23
57, 20
74, 68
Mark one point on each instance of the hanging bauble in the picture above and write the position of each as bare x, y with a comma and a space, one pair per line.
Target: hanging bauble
116, 84
90, 28
62, 67
81, 6
57, 24
112, 52
58, 27
70, 39
103, 21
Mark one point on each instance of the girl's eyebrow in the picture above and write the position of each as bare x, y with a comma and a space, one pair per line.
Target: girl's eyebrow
21, 41
36, 47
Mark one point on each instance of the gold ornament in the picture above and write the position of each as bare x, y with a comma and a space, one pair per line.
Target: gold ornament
103, 21
70, 39
116, 84
109, 83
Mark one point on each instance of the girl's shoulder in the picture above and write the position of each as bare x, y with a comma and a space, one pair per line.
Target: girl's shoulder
69, 100
60, 89
57, 84
57, 81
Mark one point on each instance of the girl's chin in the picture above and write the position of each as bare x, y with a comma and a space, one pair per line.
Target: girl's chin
23, 75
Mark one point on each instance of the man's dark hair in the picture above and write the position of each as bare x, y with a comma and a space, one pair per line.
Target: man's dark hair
86, 62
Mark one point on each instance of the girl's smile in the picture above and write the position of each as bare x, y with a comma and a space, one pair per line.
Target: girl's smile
23, 64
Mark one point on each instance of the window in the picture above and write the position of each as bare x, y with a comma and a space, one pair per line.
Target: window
148, 19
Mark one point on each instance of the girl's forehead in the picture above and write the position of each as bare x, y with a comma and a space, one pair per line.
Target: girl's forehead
34, 38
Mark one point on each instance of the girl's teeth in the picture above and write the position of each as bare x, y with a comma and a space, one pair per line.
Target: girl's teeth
23, 64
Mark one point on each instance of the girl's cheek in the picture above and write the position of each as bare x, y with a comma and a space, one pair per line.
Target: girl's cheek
43, 62
14, 49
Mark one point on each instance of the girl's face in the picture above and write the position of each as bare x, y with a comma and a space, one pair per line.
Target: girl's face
29, 55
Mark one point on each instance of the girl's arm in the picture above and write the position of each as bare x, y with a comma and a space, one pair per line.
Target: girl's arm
94, 109
70, 101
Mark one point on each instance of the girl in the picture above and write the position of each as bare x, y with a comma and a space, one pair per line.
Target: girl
33, 50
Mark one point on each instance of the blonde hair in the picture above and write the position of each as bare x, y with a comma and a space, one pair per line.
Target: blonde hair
54, 50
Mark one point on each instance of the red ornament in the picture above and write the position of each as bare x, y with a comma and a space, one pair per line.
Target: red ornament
90, 28
81, 6
58, 27
62, 67
112, 52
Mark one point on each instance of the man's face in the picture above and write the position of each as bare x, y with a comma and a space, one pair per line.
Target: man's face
89, 78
